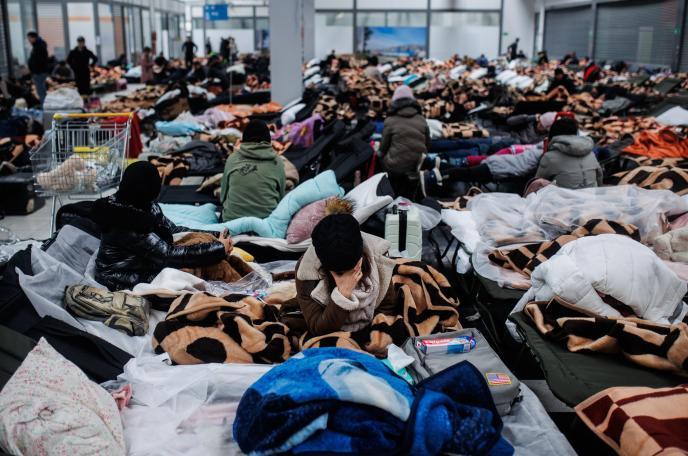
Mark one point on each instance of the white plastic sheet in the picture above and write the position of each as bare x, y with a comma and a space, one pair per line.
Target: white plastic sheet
429, 217
63, 98
504, 218
190, 410
72, 264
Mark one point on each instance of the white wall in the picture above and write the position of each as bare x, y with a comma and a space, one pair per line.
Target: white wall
518, 21
243, 38
470, 40
340, 38
81, 23
466, 4
392, 4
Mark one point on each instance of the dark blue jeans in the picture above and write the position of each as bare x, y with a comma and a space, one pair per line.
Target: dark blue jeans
473, 146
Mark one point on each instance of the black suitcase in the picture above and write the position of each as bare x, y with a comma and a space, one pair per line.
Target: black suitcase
18, 194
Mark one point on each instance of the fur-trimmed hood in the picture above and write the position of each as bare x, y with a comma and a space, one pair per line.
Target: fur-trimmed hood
309, 267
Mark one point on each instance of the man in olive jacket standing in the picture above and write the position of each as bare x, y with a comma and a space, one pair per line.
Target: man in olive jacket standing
254, 180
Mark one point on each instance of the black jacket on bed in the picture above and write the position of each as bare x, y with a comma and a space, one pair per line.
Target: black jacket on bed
136, 245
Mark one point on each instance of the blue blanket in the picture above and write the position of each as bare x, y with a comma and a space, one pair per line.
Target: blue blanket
342, 401
275, 225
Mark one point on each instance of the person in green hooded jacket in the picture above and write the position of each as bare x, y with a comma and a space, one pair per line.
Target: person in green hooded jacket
253, 182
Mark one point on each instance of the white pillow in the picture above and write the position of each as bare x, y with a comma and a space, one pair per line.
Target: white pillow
463, 227
289, 115
435, 127
365, 198
50, 407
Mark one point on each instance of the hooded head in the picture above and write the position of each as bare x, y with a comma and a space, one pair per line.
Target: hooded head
338, 242
401, 92
256, 131
140, 185
563, 126
547, 119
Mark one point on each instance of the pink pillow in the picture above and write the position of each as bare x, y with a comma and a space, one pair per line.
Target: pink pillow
303, 223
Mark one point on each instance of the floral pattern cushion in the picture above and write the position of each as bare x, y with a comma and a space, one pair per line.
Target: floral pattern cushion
50, 407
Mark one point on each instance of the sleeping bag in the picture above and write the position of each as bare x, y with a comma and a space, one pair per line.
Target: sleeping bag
204, 218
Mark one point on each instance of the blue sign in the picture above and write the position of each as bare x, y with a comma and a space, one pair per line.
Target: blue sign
216, 12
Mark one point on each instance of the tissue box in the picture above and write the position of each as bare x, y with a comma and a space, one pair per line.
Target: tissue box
460, 344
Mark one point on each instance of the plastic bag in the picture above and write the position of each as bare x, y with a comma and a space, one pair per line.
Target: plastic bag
64, 98
7, 240
277, 267
429, 217
504, 219
253, 283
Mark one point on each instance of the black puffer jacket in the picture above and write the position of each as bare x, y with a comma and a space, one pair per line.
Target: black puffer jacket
136, 245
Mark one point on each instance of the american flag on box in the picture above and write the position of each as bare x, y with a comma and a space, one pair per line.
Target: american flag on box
497, 379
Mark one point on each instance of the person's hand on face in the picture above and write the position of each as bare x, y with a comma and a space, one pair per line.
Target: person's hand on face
347, 281
226, 241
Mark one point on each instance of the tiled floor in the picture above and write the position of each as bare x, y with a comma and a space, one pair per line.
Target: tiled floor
32, 226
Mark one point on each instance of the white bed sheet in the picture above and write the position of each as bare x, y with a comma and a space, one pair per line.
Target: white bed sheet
190, 410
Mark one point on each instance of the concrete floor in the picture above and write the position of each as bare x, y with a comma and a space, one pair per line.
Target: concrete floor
37, 224
32, 226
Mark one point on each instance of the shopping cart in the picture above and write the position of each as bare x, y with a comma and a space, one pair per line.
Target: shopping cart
81, 156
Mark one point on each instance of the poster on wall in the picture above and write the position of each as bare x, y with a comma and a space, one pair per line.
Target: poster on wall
393, 41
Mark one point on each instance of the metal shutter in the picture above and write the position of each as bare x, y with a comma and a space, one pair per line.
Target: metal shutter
639, 32
4, 45
118, 18
51, 28
684, 48
568, 30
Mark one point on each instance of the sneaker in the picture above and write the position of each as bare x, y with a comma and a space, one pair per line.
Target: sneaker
429, 180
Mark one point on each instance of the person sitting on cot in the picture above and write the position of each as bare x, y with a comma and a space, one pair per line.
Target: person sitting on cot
137, 239
344, 277
254, 180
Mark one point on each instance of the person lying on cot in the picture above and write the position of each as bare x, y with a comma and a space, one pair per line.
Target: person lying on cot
566, 159
254, 180
137, 239
344, 277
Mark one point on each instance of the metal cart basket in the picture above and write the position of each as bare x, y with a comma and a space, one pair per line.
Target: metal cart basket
82, 156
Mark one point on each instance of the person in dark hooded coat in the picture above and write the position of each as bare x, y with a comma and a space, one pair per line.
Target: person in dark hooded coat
405, 140
137, 239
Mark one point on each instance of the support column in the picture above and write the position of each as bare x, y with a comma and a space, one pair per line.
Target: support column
288, 46
308, 18
541, 29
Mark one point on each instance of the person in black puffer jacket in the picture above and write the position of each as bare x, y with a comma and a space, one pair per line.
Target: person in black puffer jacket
137, 239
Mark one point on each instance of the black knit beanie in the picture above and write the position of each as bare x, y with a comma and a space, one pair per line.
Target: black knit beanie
256, 131
140, 185
338, 242
563, 126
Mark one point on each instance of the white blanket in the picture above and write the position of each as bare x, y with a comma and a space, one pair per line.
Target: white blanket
610, 265
676, 116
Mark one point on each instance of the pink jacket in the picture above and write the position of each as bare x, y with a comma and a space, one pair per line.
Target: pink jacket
146, 62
